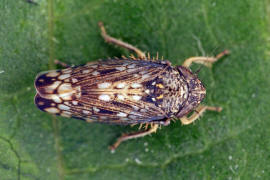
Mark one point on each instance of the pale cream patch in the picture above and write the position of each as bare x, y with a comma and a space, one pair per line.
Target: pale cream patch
131, 66
74, 80
143, 72
56, 98
53, 86
75, 103
153, 99
147, 91
64, 76
95, 73
136, 85
65, 88
121, 114
52, 74
104, 97
66, 103
143, 110
85, 112
136, 97
121, 68
96, 109
86, 71
131, 70
67, 70
104, 85
135, 108
120, 97
121, 85
63, 107
132, 117
145, 76
52, 110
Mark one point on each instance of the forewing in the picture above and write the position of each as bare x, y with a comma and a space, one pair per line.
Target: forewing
112, 91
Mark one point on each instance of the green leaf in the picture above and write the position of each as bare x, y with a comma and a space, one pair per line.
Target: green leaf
233, 144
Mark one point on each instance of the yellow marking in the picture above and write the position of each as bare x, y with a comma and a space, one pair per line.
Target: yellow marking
160, 96
160, 86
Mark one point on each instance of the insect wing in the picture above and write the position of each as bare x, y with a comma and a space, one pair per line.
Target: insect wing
112, 91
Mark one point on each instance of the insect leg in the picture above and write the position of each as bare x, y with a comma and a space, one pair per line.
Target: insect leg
198, 112
133, 136
61, 63
207, 61
120, 43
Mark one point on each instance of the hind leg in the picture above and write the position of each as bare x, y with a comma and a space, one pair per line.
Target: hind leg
120, 43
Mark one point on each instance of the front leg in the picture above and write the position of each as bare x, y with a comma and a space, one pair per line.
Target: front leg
207, 61
197, 113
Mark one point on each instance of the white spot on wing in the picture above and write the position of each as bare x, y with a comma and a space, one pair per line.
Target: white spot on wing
52, 110
120, 114
64, 76
121, 68
74, 80
86, 112
131, 66
104, 97
56, 99
95, 73
85, 71
96, 109
75, 103
121, 85
145, 76
63, 107
136, 85
120, 97
104, 85
147, 91
136, 97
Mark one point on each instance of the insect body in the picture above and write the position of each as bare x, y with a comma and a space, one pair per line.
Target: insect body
124, 91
